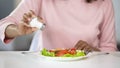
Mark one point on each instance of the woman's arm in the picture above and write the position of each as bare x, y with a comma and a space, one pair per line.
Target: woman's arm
107, 28
16, 16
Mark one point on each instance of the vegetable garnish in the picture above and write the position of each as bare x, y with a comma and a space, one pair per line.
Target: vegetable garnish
71, 52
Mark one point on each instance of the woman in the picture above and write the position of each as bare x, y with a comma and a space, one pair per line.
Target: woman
84, 24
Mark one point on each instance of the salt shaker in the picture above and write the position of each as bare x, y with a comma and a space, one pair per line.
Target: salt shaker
36, 23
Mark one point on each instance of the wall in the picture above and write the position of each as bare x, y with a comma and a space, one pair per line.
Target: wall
117, 18
7, 8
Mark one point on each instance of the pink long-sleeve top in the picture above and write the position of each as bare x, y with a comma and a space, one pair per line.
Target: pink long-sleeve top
68, 21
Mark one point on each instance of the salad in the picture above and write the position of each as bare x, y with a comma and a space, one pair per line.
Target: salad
71, 52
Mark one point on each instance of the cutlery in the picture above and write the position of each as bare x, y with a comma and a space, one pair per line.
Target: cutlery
29, 52
97, 54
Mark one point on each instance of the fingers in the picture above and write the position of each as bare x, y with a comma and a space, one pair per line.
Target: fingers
41, 20
28, 16
82, 45
77, 45
25, 29
30, 30
31, 13
24, 26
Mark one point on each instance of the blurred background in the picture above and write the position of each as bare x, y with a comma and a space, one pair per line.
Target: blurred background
23, 43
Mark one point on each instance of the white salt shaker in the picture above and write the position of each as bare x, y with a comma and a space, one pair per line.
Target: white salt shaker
36, 23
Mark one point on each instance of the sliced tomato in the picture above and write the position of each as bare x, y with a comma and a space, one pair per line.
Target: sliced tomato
72, 51
61, 52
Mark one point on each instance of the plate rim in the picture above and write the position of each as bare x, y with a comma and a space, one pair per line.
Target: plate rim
63, 58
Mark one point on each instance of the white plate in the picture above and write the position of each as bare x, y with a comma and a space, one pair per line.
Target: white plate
37, 53
91, 54
61, 58
64, 58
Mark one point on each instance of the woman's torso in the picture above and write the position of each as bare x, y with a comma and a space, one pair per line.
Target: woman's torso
68, 21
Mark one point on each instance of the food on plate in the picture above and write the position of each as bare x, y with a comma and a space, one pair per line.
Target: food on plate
71, 52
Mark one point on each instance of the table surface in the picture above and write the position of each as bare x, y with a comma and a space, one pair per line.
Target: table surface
18, 60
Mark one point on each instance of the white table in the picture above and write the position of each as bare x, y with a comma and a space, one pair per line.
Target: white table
18, 60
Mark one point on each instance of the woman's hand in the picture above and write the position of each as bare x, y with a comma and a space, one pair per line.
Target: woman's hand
23, 27
82, 45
